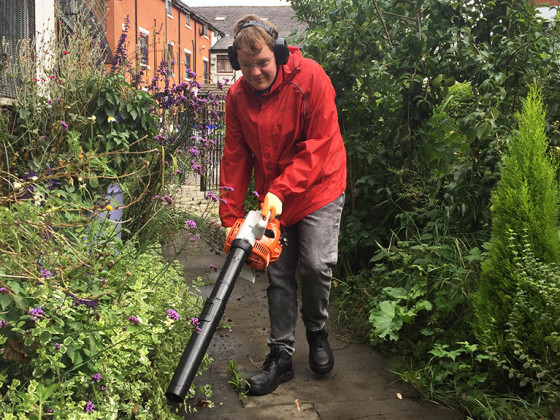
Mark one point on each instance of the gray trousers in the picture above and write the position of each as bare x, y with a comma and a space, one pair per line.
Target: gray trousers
308, 257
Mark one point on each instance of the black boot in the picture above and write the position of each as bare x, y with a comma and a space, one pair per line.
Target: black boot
277, 368
321, 359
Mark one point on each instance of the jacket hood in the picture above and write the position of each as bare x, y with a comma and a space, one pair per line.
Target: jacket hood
295, 61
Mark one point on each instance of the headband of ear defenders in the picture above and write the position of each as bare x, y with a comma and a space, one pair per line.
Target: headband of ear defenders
281, 52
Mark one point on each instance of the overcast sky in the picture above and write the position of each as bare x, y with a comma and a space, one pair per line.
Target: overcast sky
212, 3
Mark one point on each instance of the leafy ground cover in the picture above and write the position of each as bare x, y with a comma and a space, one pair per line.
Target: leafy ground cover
92, 317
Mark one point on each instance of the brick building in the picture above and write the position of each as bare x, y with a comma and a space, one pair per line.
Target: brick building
163, 30
541, 3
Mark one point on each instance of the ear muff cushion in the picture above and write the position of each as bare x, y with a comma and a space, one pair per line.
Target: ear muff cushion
232, 54
281, 51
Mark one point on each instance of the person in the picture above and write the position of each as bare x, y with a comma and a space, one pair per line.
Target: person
282, 122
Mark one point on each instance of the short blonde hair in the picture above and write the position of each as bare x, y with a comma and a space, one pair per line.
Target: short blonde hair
248, 39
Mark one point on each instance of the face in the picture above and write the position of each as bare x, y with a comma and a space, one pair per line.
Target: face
258, 69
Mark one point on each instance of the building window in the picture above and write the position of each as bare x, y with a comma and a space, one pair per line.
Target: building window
187, 19
143, 47
204, 31
17, 22
169, 8
188, 55
224, 66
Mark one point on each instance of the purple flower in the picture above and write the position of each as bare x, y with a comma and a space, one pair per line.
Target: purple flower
256, 194
96, 378
171, 314
4, 291
57, 346
103, 388
196, 168
89, 303
134, 320
3, 323
165, 199
191, 224
89, 407
63, 124
213, 267
36, 313
211, 196
47, 273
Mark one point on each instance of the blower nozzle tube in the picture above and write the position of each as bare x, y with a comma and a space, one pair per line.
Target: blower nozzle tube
209, 319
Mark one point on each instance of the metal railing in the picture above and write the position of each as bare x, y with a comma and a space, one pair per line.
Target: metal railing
17, 23
212, 156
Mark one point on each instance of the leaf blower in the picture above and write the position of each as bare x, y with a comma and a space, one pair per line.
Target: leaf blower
254, 241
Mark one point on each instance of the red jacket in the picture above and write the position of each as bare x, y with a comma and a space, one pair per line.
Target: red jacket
290, 137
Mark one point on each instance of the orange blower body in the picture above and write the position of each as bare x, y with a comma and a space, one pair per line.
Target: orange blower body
266, 250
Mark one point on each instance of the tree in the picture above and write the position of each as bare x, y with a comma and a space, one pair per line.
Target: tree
392, 64
525, 213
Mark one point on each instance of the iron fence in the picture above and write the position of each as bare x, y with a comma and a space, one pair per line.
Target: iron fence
17, 23
212, 156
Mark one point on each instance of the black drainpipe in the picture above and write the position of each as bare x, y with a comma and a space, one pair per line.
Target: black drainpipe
194, 48
136, 33
179, 47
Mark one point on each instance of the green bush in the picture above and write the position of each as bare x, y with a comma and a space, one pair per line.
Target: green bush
92, 318
86, 319
524, 203
533, 326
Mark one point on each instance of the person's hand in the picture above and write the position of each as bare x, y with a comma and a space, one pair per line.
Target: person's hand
272, 205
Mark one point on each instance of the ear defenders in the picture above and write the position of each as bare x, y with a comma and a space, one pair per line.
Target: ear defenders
281, 52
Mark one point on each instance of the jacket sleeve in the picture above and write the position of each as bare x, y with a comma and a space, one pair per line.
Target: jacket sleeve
321, 137
235, 170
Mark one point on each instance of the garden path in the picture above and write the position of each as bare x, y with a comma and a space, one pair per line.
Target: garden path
359, 387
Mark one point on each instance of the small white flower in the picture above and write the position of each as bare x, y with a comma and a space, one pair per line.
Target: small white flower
17, 185
111, 119
92, 119
34, 178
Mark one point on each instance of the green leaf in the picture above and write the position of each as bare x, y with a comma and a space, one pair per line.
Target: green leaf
71, 352
93, 180
45, 337
5, 301
383, 319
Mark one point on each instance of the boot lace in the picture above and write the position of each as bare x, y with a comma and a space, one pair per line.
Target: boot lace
318, 339
272, 359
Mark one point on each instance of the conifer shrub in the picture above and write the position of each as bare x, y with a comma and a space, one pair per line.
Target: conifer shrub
525, 209
533, 326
